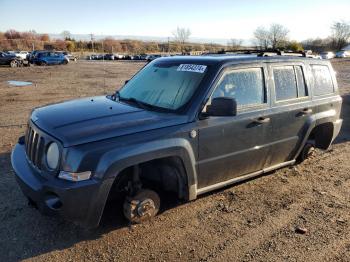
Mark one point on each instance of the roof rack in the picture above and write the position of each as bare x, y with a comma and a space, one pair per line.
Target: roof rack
267, 52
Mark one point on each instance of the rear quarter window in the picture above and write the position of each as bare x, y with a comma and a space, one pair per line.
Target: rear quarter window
322, 79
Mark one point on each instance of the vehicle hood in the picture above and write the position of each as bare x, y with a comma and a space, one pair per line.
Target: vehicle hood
87, 120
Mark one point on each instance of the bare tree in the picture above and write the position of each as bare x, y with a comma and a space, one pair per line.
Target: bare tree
261, 34
275, 37
340, 34
182, 35
235, 44
66, 35
278, 36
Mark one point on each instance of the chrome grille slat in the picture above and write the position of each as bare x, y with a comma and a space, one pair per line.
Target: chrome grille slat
30, 142
34, 146
38, 152
27, 139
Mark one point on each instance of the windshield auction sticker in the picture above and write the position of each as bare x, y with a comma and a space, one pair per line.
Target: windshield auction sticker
192, 68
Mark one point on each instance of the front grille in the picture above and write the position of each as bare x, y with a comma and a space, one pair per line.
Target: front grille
34, 144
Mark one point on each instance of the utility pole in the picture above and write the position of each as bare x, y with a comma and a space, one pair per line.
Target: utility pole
168, 44
92, 42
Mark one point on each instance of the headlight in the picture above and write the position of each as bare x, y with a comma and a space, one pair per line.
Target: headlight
52, 156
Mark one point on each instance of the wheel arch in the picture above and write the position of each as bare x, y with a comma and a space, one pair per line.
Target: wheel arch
322, 128
177, 148
112, 164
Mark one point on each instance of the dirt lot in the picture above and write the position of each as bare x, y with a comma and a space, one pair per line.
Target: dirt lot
253, 221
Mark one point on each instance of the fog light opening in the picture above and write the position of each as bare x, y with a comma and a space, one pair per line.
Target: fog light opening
75, 177
53, 201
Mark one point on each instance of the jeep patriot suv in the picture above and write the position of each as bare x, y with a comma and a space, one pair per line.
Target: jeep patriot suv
187, 125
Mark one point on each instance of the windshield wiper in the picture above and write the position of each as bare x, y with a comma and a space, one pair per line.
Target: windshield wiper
115, 96
138, 103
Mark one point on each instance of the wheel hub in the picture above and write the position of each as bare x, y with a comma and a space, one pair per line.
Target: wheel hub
141, 206
146, 208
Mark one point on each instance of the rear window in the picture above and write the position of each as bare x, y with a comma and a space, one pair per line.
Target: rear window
323, 80
289, 82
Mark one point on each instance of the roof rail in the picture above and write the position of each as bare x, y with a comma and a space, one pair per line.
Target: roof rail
266, 52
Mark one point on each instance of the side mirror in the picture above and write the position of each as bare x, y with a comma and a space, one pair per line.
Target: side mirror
222, 106
126, 81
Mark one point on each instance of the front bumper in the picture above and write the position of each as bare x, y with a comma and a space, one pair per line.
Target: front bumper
81, 202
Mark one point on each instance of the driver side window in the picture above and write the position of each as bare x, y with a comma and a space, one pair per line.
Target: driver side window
246, 86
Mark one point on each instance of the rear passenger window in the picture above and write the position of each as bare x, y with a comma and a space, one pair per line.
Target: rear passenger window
285, 83
247, 86
289, 82
323, 80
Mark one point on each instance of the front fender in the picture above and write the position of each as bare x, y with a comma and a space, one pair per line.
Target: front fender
114, 161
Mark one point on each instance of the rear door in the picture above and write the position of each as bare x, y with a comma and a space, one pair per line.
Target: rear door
232, 146
292, 106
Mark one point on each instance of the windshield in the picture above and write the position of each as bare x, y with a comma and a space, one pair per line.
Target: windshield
162, 85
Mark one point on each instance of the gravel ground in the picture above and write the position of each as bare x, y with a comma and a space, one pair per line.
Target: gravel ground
252, 221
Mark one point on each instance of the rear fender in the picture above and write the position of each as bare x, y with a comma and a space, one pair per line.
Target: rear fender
318, 119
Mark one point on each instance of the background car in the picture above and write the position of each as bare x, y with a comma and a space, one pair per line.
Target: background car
342, 54
32, 55
327, 55
10, 59
22, 54
70, 56
108, 57
150, 58
118, 56
50, 58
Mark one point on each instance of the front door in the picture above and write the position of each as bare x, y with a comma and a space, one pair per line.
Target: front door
231, 146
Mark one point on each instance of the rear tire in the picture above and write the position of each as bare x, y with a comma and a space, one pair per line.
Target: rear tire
141, 207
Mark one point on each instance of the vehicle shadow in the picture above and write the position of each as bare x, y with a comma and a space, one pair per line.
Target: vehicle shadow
25, 233
344, 134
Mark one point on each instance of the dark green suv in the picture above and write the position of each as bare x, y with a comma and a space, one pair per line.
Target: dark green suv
187, 125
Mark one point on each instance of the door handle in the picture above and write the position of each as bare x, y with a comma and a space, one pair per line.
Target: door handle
306, 111
262, 120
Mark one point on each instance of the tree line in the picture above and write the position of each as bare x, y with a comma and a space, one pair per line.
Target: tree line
274, 37
14, 40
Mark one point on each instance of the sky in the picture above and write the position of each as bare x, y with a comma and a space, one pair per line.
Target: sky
223, 19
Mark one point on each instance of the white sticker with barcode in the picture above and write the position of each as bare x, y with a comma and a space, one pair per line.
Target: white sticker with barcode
192, 68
